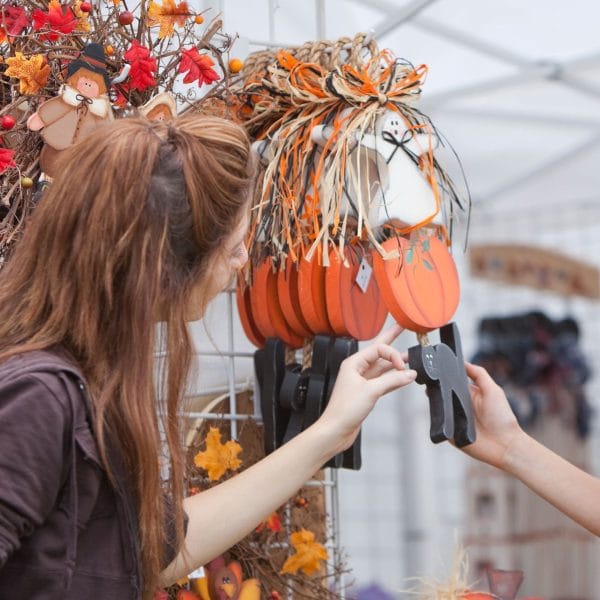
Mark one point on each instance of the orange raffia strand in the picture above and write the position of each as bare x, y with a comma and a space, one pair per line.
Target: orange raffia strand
307, 77
286, 60
340, 184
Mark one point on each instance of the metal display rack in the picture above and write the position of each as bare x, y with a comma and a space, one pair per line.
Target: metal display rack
329, 481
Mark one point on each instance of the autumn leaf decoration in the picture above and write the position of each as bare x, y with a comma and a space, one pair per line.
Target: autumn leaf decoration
272, 523
167, 16
309, 553
6, 159
14, 21
218, 457
32, 72
58, 21
83, 23
143, 67
199, 67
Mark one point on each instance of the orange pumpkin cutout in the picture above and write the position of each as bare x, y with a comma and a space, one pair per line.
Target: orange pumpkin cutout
311, 290
352, 312
266, 310
289, 299
420, 288
245, 311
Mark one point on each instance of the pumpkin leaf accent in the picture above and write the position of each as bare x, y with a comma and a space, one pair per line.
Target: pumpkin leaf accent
426, 245
409, 255
218, 457
427, 264
308, 556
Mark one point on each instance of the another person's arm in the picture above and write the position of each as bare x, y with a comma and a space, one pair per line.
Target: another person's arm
503, 444
222, 515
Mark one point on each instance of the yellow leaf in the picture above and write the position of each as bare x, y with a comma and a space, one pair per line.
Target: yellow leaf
309, 553
167, 16
31, 72
83, 24
218, 457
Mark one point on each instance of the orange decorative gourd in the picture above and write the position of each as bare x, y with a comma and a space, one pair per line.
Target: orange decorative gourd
289, 299
351, 311
247, 320
420, 287
311, 290
265, 307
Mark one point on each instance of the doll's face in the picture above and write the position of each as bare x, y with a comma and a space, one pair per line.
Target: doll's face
87, 83
87, 87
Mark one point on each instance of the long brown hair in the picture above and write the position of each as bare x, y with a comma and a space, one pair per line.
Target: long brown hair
127, 229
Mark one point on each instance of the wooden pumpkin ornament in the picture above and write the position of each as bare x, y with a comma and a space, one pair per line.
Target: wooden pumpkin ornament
289, 299
242, 294
311, 289
353, 311
265, 307
420, 287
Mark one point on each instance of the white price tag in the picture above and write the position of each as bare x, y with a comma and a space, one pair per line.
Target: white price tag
365, 271
197, 574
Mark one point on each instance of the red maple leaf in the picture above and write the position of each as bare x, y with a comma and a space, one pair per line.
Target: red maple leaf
60, 20
272, 523
6, 159
14, 19
143, 67
198, 67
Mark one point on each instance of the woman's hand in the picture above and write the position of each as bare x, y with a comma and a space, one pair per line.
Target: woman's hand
496, 425
363, 378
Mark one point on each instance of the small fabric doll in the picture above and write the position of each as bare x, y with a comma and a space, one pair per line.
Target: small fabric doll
81, 107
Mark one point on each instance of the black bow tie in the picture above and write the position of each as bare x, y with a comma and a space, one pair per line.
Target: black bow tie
82, 99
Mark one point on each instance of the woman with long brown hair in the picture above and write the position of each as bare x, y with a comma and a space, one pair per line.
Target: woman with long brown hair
144, 222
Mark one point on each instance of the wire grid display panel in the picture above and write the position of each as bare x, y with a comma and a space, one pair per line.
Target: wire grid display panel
224, 367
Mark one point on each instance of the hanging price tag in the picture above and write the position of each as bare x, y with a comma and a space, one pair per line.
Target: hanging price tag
197, 574
363, 276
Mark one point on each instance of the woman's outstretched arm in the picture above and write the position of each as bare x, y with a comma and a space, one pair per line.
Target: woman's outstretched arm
222, 515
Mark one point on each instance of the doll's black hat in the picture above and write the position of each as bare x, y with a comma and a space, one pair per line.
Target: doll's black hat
93, 59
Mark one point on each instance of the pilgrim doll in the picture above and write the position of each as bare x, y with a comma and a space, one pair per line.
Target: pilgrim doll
81, 107
160, 108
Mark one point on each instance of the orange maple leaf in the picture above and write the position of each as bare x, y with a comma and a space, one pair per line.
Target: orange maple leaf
218, 457
167, 16
32, 72
309, 553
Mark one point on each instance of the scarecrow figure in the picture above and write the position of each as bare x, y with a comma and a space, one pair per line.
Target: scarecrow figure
81, 107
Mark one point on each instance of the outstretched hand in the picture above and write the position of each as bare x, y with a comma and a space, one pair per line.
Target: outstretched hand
362, 379
496, 425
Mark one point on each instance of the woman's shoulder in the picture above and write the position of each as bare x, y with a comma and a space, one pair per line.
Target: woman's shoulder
51, 360
44, 380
